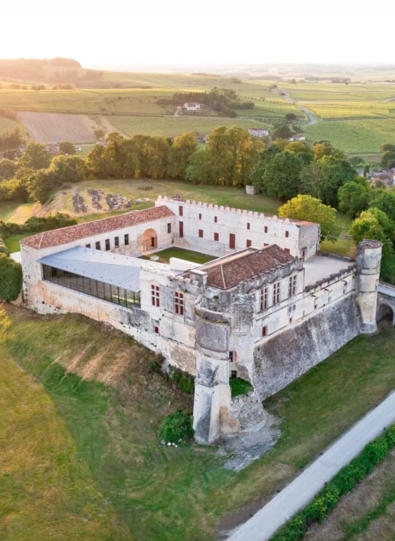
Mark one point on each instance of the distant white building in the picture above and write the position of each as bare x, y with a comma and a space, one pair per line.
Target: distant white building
258, 132
192, 106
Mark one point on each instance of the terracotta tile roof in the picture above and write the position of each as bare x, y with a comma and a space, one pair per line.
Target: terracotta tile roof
65, 235
227, 272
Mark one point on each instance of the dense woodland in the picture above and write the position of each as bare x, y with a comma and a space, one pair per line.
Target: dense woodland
315, 180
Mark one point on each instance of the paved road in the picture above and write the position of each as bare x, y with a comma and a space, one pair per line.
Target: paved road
298, 493
309, 114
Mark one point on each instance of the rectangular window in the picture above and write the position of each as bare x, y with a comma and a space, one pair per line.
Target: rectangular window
248, 243
292, 286
264, 299
156, 330
201, 233
287, 250
155, 296
126, 239
181, 229
276, 293
179, 303
287, 234
107, 244
200, 216
265, 229
248, 226
264, 331
232, 241
216, 236
233, 374
232, 356
87, 245
215, 219
116, 242
97, 245
169, 228
181, 211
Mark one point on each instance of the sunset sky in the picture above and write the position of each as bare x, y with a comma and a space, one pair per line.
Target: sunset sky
177, 32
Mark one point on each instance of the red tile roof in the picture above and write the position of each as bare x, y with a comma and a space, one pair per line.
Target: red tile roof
65, 235
228, 272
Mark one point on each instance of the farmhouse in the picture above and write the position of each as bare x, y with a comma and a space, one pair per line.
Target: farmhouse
258, 132
266, 309
192, 106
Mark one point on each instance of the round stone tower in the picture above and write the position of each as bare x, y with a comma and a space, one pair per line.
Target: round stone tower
212, 392
368, 273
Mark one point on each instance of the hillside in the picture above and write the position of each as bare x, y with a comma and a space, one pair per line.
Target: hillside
81, 434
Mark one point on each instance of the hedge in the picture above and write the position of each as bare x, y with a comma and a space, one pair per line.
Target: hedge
3, 247
347, 478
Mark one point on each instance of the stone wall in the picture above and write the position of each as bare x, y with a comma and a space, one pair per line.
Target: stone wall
283, 358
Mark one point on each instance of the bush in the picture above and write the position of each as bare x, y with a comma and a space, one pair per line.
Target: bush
176, 427
11, 278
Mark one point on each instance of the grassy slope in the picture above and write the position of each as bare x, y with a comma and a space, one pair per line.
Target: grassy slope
46, 490
175, 494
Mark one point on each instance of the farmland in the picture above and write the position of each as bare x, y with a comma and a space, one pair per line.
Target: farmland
7, 125
354, 136
169, 126
48, 127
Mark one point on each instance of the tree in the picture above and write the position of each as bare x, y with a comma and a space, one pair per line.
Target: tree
66, 147
67, 169
180, 152
375, 224
11, 278
7, 169
277, 175
387, 146
323, 178
385, 202
199, 170
354, 197
99, 133
300, 149
305, 207
36, 156
323, 149
388, 158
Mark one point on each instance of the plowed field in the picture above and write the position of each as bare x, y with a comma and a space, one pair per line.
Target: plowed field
51, 127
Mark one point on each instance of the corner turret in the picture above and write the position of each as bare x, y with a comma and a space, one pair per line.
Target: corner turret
368, 273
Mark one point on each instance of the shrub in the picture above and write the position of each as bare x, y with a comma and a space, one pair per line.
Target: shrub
3, 247
177, 426
11, 278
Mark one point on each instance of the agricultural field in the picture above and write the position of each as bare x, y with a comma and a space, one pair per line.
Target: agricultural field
354, 136
170, 126
7, 125
51, 127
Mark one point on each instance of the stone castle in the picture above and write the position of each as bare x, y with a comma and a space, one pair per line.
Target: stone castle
266, 309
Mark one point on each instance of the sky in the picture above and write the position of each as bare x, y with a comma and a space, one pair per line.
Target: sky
206, 32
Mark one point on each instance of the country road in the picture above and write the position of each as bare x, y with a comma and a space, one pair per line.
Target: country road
305, 111
302, 489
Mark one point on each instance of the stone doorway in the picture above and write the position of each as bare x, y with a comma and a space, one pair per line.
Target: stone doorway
149, 240
385, 315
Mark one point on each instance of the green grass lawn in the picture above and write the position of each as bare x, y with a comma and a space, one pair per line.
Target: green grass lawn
105, 426
188, 255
